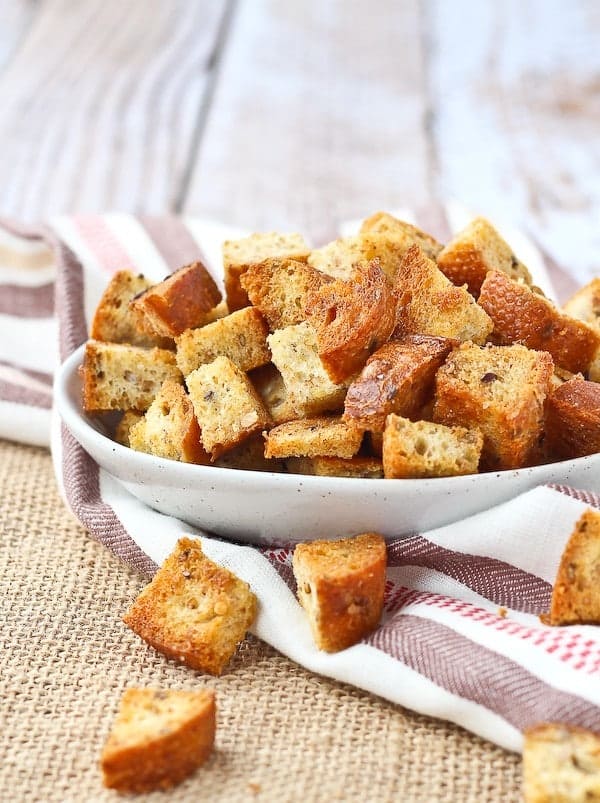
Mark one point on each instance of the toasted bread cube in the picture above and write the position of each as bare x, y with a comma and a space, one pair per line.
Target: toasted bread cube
249, 456
522, 316
429, 304
193, 611
418, 449
227, 407
573, 419
241, 336
501, 391
361, 467
123, 428
294, 353
179, 302
278, 288
474, 251
340, 586
340, 257
326, 436
158, 738
561, 764
398, 378
169, 428
238, 255
585, 304
120, 377
352, 319
271, 388
575, 594
401, 232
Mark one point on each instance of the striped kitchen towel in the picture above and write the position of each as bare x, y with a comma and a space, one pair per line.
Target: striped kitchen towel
460, 638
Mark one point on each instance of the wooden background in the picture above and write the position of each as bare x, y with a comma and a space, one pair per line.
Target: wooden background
299, 114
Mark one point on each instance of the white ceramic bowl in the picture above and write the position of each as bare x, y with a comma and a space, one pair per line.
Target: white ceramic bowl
263, 507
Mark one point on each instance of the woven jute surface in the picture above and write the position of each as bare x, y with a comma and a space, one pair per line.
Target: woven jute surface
284, 734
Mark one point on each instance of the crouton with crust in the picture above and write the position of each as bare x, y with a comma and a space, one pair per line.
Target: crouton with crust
402, 233
361, 467
327, 436
573, 419
340, 257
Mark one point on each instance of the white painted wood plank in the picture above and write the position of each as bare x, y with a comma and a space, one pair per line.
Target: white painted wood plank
317, 117
15, 17
99, 105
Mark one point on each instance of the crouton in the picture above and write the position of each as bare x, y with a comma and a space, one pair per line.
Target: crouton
501, 391
158, 738
339, 258
405, 234
238, 255
327, 436
352, 319
249, 456
269, 384
123, 428
227, 407
241, 336
340, 586
585, 304
361, 467
522, 316
398, 378
193, 611
474, 251
418, 449
573, 419
120, 377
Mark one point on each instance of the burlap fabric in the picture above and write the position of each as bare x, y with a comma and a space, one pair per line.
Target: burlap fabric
284, 734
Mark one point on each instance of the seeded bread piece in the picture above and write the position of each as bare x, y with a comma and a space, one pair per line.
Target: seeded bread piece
402, 233
278, 288
361, 467
169, 428
522, 316
573, 419
271, 388
416, 449
429, 304
241, 336
561, 764
130, 417
238, 255
340, 257
398, 378
474, 251
575, 594
120, 377
227, 407
500, 390
294, 353
158, 738
352, 319
340, 586
193, 611
326, 436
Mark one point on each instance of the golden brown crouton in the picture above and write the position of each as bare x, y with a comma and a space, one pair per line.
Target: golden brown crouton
429, 304
398, 378
238, 255
340, 586
401, 232
585, 304
123, 428
416, 449
361, 467
522, 316
193, 611
327, 436
339, 258
573, 419
241, 336
351, 318
249, 456
271, 388
227, 407
561, 764
575, 595
501, 391
474, 251
169, 428
120, 377
158, 738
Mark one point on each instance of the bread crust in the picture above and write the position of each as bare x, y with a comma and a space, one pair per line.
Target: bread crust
573, 419
326, 436
402, 233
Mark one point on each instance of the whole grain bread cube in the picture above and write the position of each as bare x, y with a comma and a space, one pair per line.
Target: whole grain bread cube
327, 436
241, 336
269, 384
500, 390
474, 251
401, 232
340, 257
585, 304
340, 586
361, 467
169, 427
522, 316
352, 319
561, 764
429, 304
294, 353
573, 419
123, 428
120, 377
194, 611
398, 378
575, 594
158, 738
418, 449
238, 255
249, 456
227, 407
